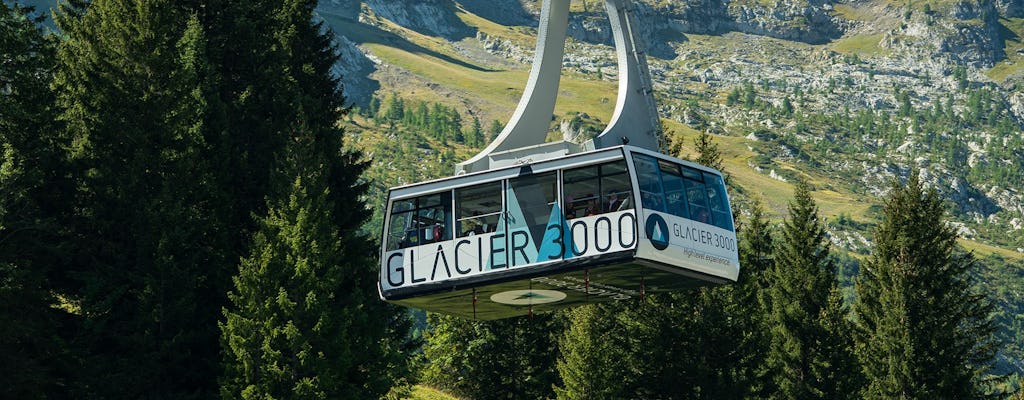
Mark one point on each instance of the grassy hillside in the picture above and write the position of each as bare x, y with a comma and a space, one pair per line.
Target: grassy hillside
429, 69
426, 68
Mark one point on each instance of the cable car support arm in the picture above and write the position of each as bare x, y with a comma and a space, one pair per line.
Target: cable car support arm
634, 121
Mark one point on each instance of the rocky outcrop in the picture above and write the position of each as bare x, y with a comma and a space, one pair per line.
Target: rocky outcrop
355, 70
967, 34
808, 21
1011, 8
348, 9
799, 20
431, 17
655, 33
804, 21
505, 12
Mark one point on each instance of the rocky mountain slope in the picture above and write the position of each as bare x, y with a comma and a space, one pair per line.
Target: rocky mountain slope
824, 58
845, 94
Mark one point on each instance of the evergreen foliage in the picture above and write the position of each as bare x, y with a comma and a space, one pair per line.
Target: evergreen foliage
475, 138
180, 137
304, 321
708, 153
437, 120
810, 349
176, 116
509, 358
923, 330
591, 364
33, 191
750, 300
131, 89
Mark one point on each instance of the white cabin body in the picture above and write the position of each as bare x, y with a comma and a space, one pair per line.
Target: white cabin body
605, 225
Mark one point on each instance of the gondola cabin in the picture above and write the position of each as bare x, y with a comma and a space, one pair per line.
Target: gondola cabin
607, 225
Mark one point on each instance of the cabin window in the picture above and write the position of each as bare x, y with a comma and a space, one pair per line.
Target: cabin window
647, 175
675, 189
682, 191
696, 195
478, 209
717, 200
596, 189
531, 205
421, 220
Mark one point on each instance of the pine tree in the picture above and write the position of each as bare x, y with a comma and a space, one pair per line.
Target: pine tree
395, 110
455, 119
488, 359
924, 330
809, 354
33, 349
147, 245
749, 301
288, 330
245, 114
304, 320
476, 134
592, 354
708, 153
493, 130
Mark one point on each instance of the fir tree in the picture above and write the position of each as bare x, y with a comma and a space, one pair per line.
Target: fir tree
455, 119
592, 353
148, 248
476, 134
288, 331
486, 360
924, 330
749, 303
810, 346
395, 111
304, 320
245, 114
33, 335
708, 153
493, 130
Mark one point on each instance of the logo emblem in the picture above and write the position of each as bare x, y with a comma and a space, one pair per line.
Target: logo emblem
528, 297
657, 231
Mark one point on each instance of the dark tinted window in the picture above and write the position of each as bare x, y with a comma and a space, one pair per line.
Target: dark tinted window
422, 220
649, 177
596, 189
682, 191
478, 209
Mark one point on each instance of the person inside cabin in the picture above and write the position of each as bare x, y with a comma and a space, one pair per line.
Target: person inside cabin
433, 233
615, 203
652, 202
471, 227
702, 215
590, 206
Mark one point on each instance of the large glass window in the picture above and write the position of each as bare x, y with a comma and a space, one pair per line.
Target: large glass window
596, 189
647, 175
717, 199
696, 196
682, 191
478, 209
421, 220
675, 196
531, 205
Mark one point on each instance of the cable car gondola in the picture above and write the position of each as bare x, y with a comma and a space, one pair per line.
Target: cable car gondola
528, 226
